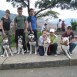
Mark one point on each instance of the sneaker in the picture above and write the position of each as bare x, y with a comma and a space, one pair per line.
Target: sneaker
55, 55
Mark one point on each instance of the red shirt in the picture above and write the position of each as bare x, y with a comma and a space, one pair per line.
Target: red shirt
71, 35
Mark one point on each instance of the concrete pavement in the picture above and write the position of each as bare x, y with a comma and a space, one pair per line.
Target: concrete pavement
35, 61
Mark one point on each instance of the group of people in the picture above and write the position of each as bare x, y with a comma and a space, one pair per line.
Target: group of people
20, 26
23, 24
61, 26
53, 45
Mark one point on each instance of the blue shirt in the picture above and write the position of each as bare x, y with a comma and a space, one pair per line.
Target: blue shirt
32, 19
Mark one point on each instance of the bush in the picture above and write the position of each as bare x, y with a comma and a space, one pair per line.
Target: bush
13, 39
74, 25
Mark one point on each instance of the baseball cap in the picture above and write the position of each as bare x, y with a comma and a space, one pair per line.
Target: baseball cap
52, 30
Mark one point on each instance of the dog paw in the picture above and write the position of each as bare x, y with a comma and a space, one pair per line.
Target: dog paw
11, 54
69, 57
18, 53
2, 55
46, 55
35, 53
7, 56
23, 53
30, 53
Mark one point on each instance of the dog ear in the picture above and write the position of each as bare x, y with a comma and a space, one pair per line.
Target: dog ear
28, 32
18, 37
21, 37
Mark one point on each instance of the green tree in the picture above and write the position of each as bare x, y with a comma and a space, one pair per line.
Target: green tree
74, 25
46, 4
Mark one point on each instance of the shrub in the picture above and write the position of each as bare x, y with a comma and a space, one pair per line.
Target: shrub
74, 25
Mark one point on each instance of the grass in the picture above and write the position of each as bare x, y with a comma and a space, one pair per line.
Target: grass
13, 39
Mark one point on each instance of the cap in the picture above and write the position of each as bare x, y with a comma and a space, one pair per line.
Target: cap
52, 30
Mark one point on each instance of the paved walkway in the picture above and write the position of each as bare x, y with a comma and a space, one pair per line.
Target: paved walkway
33, 61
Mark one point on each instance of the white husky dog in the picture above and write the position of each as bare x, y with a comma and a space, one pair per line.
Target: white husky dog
6, 47
46, 45
65, 46
20, 45
32, 42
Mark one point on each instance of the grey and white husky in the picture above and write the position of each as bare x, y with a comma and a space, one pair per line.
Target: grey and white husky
32, 42
6, 47
20, 45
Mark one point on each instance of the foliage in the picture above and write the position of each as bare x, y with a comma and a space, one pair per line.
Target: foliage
12, 41
39, 33
46, 4
74, 25
48, 13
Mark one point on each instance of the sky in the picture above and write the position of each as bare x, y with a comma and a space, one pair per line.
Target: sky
63, 13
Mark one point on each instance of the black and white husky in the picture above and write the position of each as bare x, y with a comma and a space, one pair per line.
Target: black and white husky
32, 42
6, 47
65, 46
20, 45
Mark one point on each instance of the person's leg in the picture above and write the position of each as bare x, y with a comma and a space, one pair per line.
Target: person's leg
72, 46
54, 48
24, 42
9, 36
49, 52
35, 38
35, 34
41, 50
23, 37
16, 37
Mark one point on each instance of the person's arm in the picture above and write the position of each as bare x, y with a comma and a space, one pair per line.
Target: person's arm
29, 22
2, 28
72, 38
15, 25
26, 26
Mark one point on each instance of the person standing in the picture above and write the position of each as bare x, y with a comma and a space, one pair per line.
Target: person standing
44, 27
33, 22
63, 25
59, 25
20, 27
5, 24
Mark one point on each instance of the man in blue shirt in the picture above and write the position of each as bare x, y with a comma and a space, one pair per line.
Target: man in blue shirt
32, 22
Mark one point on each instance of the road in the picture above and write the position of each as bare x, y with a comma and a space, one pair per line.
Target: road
67, 71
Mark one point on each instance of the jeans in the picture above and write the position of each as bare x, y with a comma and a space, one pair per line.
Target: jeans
18, 33
72, 46
41, 50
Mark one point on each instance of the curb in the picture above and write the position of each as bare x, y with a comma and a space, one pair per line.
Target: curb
58, 63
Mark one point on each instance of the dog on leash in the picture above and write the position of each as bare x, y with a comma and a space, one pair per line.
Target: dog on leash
65, 46
6, 47
32, 42
46, 45
20, 45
